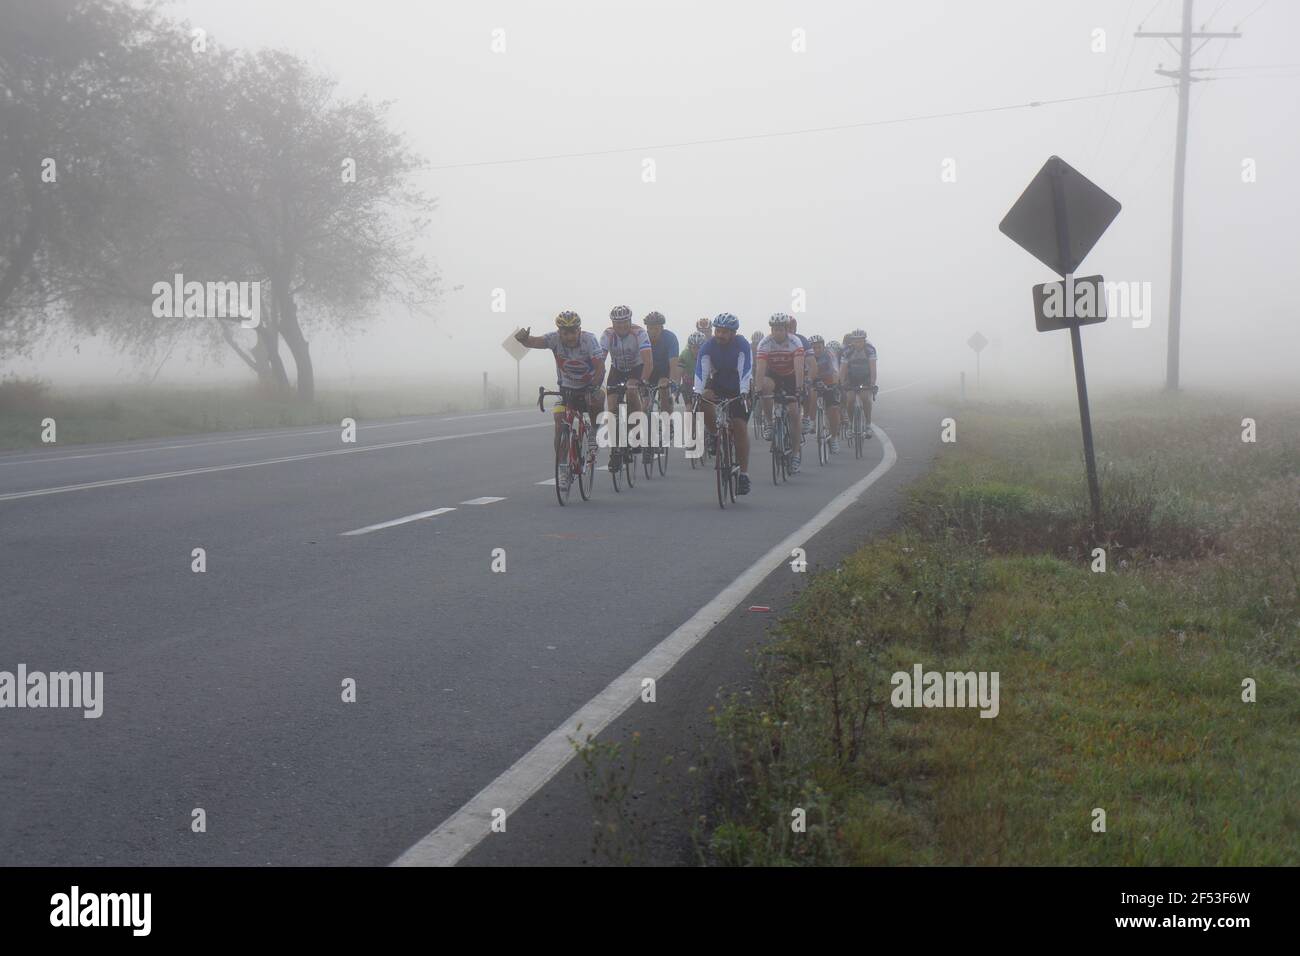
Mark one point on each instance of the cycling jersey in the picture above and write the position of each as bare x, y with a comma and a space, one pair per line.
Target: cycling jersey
858, 363
663, 351
625, 353
781, 356
828, 366
686, 359
732, 363
575, 367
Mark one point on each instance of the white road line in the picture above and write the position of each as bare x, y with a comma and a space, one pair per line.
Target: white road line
12, 496
481, 501
42, 459
548, 481
465, 828
396, 521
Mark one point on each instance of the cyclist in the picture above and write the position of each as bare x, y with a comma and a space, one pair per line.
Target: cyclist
755, 341
579, 368
686, 367
723, 370
630, 362
858, 367
780, 363
704, 327
828, 373
663, 348
809, 374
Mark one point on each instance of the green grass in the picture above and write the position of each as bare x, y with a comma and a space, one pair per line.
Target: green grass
128, 413
1119, 690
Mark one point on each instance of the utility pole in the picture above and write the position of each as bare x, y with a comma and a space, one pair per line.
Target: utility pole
1185, 80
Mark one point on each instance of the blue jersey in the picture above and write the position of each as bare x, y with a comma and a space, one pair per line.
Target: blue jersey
663, 350
732, 363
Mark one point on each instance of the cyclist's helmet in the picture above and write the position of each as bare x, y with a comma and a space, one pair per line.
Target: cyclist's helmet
779, 321
696, 340
816, 340
858, 334
834, 346
568, 320
620, 313
703, 325
726, 321
655, 318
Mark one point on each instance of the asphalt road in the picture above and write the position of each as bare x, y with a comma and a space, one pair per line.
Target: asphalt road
223, 689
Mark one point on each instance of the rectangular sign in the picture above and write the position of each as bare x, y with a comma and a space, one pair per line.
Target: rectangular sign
1057, 306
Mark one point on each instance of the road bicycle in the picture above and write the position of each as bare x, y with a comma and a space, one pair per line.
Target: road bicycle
725, 466
623, 457
858, 431
820, 428
659, 453
575, 455
782, 441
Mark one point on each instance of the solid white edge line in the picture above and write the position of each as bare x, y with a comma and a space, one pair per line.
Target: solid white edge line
465, 829
418, 516
210, 469
486, 500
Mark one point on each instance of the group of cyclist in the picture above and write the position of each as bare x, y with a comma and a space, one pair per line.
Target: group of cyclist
717, 365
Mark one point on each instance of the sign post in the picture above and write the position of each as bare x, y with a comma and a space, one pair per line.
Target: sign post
977, 342
1058, 219
517, 351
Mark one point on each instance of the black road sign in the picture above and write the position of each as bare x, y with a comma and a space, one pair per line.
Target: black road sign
1085, 208
1058, 219
977, 342
1076, 301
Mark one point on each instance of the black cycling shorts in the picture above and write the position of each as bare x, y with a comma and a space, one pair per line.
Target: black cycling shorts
737, 409
576, 398
619, 377
785, 383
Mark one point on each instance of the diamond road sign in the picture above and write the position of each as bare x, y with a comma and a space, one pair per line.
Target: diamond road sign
516, 349
1087, 210
977, 342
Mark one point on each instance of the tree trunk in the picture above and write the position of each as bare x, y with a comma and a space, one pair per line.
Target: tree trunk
293, 337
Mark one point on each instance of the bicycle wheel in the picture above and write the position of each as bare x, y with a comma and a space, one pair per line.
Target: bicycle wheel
823, 437
563, 473
587, 471
778, 449
722, 469
859, 428
732, 467
629, 466
661, 455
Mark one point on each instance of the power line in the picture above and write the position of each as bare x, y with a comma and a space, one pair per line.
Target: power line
797, 132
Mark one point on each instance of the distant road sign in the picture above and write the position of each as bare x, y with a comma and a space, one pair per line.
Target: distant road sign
1084, 208
516, 349
977, 342
1056, 308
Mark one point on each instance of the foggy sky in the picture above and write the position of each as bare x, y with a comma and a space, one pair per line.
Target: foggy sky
858, 218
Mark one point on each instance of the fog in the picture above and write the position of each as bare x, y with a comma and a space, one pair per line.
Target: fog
861, 219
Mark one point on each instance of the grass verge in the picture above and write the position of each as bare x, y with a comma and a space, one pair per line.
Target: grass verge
1120, 690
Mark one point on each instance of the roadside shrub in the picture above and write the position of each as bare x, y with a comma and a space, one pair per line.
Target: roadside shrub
23, 394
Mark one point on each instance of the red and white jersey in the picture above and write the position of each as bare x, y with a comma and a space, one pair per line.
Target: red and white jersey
781, 356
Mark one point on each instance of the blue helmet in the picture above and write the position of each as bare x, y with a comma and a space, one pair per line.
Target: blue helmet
726, 321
